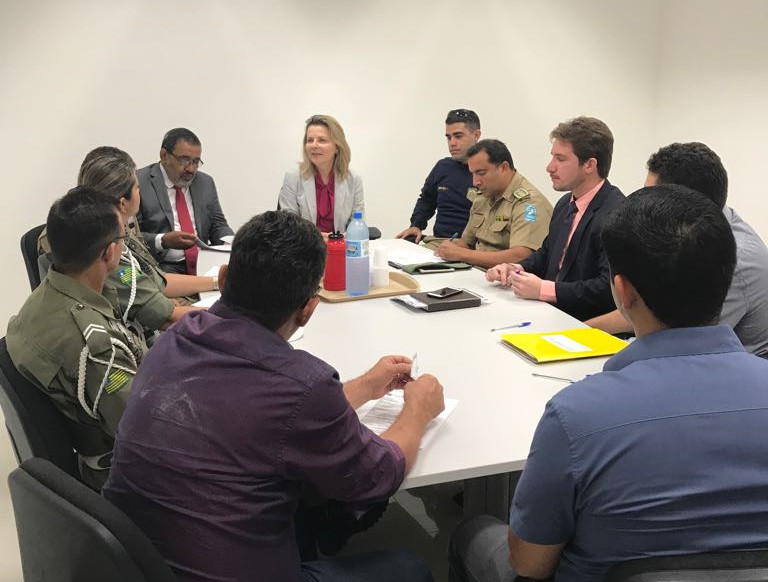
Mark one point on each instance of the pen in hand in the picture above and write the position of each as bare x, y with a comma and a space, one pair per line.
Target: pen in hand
523, 324
453, 236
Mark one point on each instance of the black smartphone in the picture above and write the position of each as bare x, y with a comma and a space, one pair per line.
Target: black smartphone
443, 293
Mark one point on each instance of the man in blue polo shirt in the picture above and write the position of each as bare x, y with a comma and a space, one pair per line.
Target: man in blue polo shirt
663, 453
448, 188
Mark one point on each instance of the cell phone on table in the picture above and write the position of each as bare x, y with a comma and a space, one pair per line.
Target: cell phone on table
443, 293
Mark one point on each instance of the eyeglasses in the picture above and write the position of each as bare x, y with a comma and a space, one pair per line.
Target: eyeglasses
186, 160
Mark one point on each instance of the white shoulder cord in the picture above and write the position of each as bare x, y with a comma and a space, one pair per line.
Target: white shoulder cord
81, 372
134, 267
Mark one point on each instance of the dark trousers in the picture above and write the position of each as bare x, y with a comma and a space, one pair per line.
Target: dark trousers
398, 566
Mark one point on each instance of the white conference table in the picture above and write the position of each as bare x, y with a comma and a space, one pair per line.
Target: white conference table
500, 402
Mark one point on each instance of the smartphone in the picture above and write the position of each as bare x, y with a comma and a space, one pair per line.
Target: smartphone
443, 293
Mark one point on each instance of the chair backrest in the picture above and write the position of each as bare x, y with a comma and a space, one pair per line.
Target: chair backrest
36, 427
735, 566
67, 532
30, 254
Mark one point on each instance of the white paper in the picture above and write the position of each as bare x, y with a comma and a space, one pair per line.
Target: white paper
213, 271
208, 301
412, 301
566, 343
225, 248
415, 365
379, 415
228, 238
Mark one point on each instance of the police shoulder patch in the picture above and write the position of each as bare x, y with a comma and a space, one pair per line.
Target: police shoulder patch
529, 214
521, 194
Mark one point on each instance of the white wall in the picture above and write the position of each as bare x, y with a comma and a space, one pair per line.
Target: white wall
713, 88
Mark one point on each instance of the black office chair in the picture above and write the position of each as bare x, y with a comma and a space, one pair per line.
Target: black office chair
736, 566
69, 533
30, 254
35, 425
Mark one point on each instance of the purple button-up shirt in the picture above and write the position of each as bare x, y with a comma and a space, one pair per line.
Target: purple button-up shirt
224, 422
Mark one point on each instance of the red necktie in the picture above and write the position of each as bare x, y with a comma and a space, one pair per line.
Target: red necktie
185, 221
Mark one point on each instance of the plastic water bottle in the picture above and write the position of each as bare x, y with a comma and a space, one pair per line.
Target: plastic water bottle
358, 262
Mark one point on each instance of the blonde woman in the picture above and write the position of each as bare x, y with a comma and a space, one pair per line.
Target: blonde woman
323, 190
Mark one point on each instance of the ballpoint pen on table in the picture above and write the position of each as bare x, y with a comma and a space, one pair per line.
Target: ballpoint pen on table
523, 324
552, 377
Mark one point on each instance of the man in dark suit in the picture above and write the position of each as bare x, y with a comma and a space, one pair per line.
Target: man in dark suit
178, 204
570, 270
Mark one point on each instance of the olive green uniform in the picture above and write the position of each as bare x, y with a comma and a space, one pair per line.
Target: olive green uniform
147, 305
518, 218
68, 341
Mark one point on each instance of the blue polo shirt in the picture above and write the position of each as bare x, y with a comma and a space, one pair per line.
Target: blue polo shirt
445, 190
665, 452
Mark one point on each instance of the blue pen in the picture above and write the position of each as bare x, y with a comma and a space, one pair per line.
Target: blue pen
454, 235
523, 324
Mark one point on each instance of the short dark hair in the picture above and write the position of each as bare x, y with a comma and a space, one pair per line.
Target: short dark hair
80, 226
465, 116
176, 135
590, 138
677, 249
275, 267
693, 165
496, 150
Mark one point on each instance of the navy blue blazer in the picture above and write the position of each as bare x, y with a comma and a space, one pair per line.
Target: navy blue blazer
583, 284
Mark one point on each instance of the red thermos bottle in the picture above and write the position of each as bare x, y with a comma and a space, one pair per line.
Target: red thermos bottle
335, 278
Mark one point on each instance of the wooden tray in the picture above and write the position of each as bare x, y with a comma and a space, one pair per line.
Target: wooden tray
399, 284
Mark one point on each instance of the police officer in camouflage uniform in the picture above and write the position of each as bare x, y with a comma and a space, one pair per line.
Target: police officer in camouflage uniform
509, 217
68, 340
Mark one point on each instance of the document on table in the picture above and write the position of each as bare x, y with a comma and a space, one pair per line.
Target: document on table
225, 248
380, 414
415, 257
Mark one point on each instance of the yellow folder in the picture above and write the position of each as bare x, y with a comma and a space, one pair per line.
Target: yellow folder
570, 344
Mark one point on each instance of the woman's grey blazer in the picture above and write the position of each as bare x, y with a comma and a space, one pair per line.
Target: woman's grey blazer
298, 195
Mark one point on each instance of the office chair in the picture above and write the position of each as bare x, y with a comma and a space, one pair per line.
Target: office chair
30, 254
69, 533
36, 427
735, 566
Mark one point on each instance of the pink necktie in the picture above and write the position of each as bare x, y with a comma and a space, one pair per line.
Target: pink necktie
185, 221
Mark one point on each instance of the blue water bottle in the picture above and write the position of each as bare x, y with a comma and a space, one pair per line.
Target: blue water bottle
358, 265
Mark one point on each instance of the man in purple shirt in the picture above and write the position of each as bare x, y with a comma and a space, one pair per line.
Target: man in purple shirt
227, 424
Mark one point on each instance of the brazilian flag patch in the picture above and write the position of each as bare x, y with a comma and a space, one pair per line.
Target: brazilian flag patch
126, 274
116, 380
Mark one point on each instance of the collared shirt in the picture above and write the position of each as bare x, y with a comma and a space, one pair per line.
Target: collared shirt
519, 217
663, 453
746, 305
227, 424
547, 291
174, 255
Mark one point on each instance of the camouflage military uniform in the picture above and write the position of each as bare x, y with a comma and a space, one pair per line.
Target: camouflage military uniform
69, 342
518, 218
